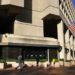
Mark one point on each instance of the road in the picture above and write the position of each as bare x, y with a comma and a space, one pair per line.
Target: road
39, 71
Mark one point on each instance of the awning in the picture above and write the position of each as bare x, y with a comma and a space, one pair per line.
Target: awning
13, 40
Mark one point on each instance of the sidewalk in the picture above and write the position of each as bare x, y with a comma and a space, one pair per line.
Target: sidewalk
39, 71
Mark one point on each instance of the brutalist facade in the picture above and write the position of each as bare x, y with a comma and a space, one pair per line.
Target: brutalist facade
34, 28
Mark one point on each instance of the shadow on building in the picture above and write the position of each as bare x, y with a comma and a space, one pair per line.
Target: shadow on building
25, 14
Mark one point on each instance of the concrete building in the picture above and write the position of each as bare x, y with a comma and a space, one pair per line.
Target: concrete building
67, 14
35, 28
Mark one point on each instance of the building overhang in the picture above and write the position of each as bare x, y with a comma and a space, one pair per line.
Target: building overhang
11, 44
12, 40
9, 9
54, 17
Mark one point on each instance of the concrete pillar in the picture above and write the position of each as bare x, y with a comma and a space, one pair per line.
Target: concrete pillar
48, 56
71, 46
60, 29
67, 44
74, 48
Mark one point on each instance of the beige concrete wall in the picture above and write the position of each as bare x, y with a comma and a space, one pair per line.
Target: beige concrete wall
44, 4
32, 15
27, 29
37, 5
50, 7
29, 20
13, 2
5, 1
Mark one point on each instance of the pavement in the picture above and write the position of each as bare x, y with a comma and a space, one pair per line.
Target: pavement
39, 71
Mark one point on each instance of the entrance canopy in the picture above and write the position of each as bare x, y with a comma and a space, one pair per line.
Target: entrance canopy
13, 40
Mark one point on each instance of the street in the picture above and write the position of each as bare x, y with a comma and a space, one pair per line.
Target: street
39, 71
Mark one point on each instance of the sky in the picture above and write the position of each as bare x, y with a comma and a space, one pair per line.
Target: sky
73, 1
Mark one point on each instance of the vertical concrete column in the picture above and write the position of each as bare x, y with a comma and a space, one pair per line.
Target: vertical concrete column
60, 30
74, 48
48, 56
71, 46
67, 44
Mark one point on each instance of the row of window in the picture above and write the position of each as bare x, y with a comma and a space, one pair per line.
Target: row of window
67, 9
